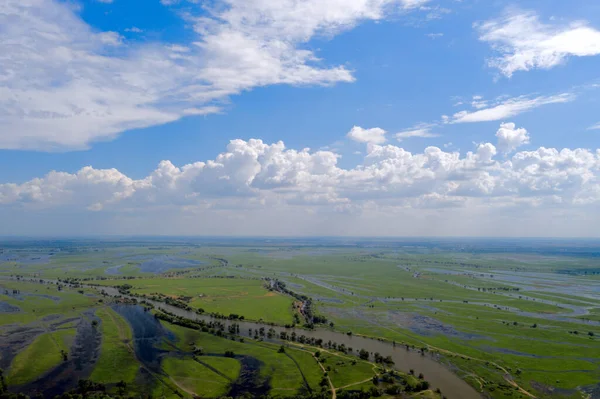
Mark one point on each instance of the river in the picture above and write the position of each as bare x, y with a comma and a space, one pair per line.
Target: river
438, 375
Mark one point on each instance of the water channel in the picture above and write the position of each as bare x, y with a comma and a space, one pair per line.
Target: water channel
436, 373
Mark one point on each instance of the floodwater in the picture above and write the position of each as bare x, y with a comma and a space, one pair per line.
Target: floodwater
82, 359
148, 333
6, 307
249, 380
14, 339
436, 373
113, 270
161, 263
25, 258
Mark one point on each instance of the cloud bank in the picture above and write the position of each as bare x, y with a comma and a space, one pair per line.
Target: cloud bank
255, 177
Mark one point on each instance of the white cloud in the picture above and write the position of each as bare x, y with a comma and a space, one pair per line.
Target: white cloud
434, 35
506, 108
259, 173
595, 127
434, 12
373, 136
274, 186
524, 42
510, 138
64, 85
134, 29
479, 103
422, 130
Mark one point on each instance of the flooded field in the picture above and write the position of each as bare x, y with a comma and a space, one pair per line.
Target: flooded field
497, 325
148, 334
83, 356
6, 307
161, 263
439, 376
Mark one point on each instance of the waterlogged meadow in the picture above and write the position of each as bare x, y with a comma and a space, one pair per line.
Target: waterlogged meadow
214, 318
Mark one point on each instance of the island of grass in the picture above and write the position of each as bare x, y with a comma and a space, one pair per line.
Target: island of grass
45, 353
117, 360
246, 297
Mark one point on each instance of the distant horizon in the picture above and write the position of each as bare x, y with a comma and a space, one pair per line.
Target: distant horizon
283, 238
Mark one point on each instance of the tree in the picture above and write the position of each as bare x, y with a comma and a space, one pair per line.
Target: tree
281, 349
121, 387
363, 354
2, 382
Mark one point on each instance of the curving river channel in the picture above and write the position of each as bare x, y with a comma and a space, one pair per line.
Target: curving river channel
436, 373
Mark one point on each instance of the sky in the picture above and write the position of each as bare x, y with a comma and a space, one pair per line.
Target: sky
300, 117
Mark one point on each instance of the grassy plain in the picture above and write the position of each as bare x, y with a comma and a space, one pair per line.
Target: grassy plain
195, 378
117, 360
37, 301
287, 372
247, 297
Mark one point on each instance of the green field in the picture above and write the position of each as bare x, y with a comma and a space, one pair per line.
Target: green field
487, 315
117, 361
196, 379
40, 357
218, 295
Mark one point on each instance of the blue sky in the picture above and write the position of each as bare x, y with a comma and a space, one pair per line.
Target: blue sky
119, 86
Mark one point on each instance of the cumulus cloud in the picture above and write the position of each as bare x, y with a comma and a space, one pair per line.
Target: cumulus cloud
257, 175
524, 42
510, 138
374, 135
64, 85
506, 108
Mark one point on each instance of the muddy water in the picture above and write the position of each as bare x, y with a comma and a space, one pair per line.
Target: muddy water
437, 374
